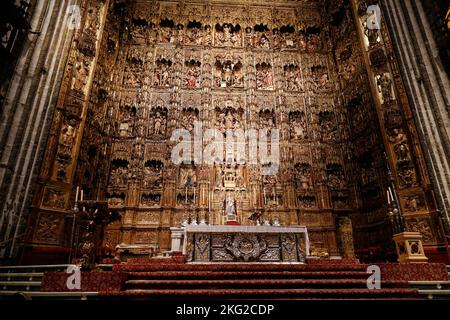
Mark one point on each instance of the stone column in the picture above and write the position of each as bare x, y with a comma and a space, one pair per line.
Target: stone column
54, 194
394, 106
428, 89
28, 110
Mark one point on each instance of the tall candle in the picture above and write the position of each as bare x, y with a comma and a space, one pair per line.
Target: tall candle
84, 209
390, 192
388, 197
76, 194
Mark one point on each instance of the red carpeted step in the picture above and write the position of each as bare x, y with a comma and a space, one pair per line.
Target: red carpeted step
315, 280
257, 284
248, 275
402, 293
238, 267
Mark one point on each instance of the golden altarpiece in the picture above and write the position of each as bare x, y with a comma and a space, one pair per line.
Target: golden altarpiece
139, 70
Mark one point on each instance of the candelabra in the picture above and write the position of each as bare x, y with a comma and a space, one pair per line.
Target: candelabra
396, 219
92, 216
193, 214
270, 215
395, 214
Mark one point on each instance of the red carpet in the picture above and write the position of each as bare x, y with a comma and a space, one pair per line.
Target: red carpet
324, 279
232, 223
173, 278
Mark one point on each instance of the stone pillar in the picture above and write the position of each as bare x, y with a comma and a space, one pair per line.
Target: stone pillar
55, 191
399, 121
27, 112
428, 88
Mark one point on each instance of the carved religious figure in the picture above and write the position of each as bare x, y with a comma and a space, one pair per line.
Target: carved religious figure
163, 73
119, 175
402, 152
152, 33
264, 76
327, 126
371, 28
397, 136
276, 39
313, 39
230, 207
153, 170
248, 37
407, 176
287, 36
298, 127
261, 36
5, 34
193, 72
228, 35
372, 36
179, 36
153, 175
188, 117
412, 203
138, 34
67, 138
263, 41
125, 121
320, 78
151, 200
293, 78
158, 125
301, 40
218, 176
81, 75
167, 31
336, 178
303, 176
267, 119
188, 177
228, 73
229, 120
207, 36
385, 86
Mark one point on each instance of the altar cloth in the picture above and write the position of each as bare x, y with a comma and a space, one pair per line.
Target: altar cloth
225, 243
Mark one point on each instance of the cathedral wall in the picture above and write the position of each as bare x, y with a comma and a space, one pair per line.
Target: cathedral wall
232, 72
141, 72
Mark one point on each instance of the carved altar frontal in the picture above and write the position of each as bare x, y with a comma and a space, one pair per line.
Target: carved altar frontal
217, 243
